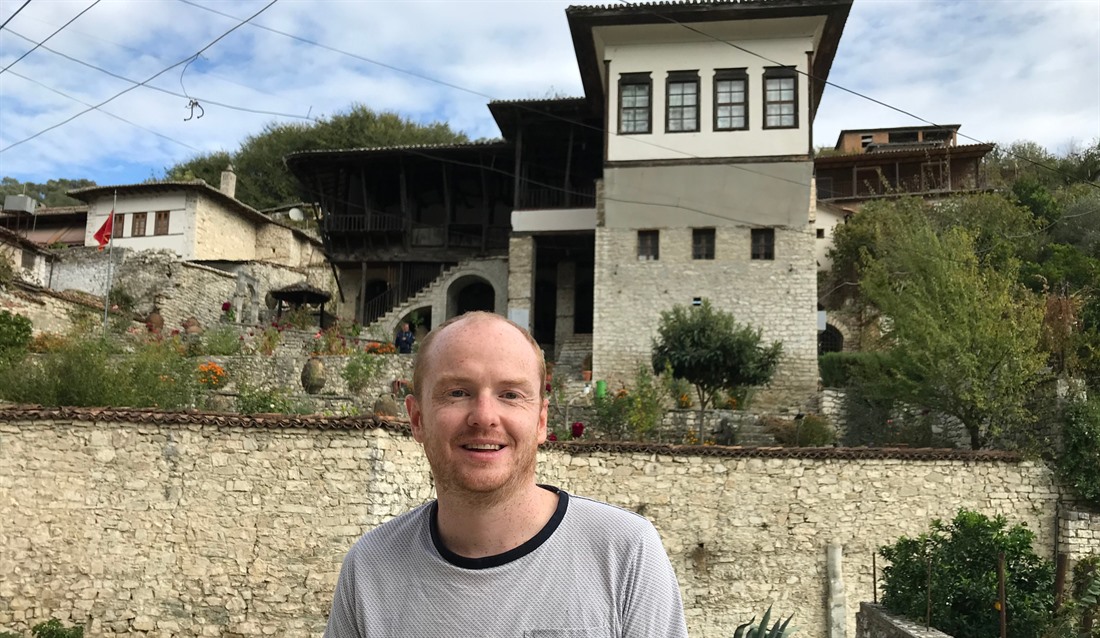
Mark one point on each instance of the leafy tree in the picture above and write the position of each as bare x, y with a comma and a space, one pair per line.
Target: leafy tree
712, 351
962, 557
52, 193
263, 181
1079, 465
960, 338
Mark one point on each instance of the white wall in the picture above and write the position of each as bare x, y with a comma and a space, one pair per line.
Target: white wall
180, 237
660, 58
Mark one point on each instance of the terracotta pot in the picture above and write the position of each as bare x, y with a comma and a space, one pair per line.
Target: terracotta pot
313, 375
586, 375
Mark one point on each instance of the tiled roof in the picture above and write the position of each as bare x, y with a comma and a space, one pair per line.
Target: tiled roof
12, 237
965, 149
400, 147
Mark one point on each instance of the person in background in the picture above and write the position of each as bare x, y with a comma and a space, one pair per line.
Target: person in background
405, 339
496, 554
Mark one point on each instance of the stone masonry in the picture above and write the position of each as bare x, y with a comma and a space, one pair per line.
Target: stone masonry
151, 524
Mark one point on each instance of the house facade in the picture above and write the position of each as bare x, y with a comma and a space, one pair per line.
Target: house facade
684, 173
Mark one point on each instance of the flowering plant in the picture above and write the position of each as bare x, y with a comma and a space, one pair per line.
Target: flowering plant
228, 313
211, 374
577, 429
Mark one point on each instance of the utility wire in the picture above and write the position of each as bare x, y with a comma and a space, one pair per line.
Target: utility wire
844, 88
108, 113
59, 29
150, 79
24, 6
166, 91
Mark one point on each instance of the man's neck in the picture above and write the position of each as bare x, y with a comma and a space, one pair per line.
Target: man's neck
476, 528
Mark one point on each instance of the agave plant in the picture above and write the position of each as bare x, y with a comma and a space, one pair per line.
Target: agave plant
779, 630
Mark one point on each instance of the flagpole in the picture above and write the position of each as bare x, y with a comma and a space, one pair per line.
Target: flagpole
110, 262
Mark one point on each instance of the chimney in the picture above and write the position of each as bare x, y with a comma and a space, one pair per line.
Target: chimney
229, 182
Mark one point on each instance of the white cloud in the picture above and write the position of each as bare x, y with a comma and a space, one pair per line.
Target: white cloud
1004, 69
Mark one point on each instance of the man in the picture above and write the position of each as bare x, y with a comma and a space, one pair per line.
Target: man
496, 554
404, 340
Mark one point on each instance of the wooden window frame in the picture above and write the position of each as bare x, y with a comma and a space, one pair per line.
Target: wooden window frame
649, 245
636, 80
731, 75
686, 111
138, 223
777, 74
702, 243
161, 222
762, 244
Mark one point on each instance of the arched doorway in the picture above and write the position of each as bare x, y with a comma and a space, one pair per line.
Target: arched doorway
829, 340
470, 293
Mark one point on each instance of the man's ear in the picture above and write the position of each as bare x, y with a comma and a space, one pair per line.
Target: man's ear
412, 406
544, 414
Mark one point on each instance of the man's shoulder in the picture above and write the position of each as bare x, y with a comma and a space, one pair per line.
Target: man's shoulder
395, 534
608, 518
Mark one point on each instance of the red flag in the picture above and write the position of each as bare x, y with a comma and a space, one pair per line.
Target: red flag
103, 235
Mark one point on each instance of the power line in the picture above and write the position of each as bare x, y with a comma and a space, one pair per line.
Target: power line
233, 107
59, 29
117, 117
24, 6
842, 88
150, 79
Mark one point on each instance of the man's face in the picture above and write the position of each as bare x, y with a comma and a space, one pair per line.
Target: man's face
480, 415
405, 327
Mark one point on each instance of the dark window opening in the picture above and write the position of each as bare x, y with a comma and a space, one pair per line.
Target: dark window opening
829, 340
648, 245
763, 243
904, 137
702, 243
821, 233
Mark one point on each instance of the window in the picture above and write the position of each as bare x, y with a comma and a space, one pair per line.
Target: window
648, 245
137, 225
635, 90
866, 140
27, 259
780, 98
731, 99
160, 223
903, 137
683, 102
763, 243
702, 243
821, 233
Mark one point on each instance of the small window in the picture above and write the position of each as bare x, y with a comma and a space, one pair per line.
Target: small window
28, 259
137, 225
763, 243
780, 97
683, 102
160, 223
821, 233
731, 99
635, 91
938, 135
648, 245
903, 137
702, 243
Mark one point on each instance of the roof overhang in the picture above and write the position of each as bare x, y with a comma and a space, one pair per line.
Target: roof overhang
970, 151
584, 19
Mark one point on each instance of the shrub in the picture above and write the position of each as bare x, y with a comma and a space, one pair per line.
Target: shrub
15, 335
7, 270
211, 375
47, 342
222, 341
840, 369
54, 629
256, 400
780, 629
362, 371
1080, 466
963, 557
809, 431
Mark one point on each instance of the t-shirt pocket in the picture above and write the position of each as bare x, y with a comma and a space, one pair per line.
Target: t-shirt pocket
577, 632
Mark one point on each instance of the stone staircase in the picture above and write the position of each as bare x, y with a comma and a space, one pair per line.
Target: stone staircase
569, 362
386, 323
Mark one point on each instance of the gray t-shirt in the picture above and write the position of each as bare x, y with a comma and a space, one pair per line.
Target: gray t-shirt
593, 570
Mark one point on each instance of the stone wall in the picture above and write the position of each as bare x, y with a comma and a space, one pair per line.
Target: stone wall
1078, 533
48, 310
143, 523
872, 621
84, 269
776, 296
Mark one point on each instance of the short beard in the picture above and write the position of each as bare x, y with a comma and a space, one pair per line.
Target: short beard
449, 485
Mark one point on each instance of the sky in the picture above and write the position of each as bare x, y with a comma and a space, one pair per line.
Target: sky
1005, 70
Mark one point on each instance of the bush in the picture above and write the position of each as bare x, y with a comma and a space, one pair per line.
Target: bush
809, 431
7, 270
15, 336
362, 371
222, 341
54, 629
963, 557
1079, 466
840, 369
256, 400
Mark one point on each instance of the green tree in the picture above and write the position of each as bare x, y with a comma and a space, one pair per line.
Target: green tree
263, 181
52, 193
962, 557
712, 351
960, 338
